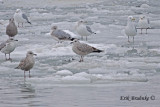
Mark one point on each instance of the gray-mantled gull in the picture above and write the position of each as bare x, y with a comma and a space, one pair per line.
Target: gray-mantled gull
83, 49
20, 17
7, 47
11, 29
130, 29
143, 23
60, 35
27, 63
83, 30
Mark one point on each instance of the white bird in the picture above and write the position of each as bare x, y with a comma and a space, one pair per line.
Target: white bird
143, 23
130, 29
11, 29
60, 35
7, 47
83, 49
83, 30
20, 17
27, 63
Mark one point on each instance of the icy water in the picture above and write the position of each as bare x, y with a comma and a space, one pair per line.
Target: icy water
58, 79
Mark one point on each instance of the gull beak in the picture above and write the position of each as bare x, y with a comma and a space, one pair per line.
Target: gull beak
35, 54
133, 19
71, 43
15, 40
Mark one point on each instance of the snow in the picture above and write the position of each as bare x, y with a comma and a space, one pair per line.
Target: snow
64, 73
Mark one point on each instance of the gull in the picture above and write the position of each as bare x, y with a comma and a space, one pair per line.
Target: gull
7, 47
11, 29
143, 23
83, 30
27, 63
83, 49
60, 35
130, 29
20, 17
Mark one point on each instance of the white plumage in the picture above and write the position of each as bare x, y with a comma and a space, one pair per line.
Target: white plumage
130, 29
143, 23
20, 17
83, 30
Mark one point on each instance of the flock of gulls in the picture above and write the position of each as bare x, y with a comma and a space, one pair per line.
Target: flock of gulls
59, 35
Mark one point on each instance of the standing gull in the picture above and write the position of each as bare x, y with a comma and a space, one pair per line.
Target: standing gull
83, 49
60, 35
27, 63
130, 29
7, 47
11, 29
20, 17
144, 23
83, 30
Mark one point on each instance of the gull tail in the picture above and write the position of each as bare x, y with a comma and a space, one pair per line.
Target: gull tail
94, 33
72, 39
29, 22
97, 50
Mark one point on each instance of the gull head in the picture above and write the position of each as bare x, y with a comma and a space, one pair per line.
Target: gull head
54, 28
142, 17
82, 22
75, 41
30, 53
11, 20
18, 11
131, 18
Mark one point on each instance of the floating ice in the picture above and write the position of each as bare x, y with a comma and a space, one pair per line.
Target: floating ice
64, 73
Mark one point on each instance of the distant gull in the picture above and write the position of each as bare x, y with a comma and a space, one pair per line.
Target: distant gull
27, 63
60, 35
11, 29
7, 47
83, 49
83, 30
20, 17
130, 29
143, 23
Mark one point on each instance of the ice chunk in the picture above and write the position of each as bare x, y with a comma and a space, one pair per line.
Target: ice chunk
64, 73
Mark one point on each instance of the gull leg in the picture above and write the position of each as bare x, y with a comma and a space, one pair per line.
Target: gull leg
141, 31
81, 37
128, 39
5, 57
10, 58
86, 38
24, 75
29, 74
81, 59
146, 31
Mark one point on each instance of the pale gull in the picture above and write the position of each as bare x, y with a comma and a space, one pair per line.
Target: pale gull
83, 30
130, 29
60, 35
27, 63
143, 23
11, 29
7, 47
20, 17
83, 49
